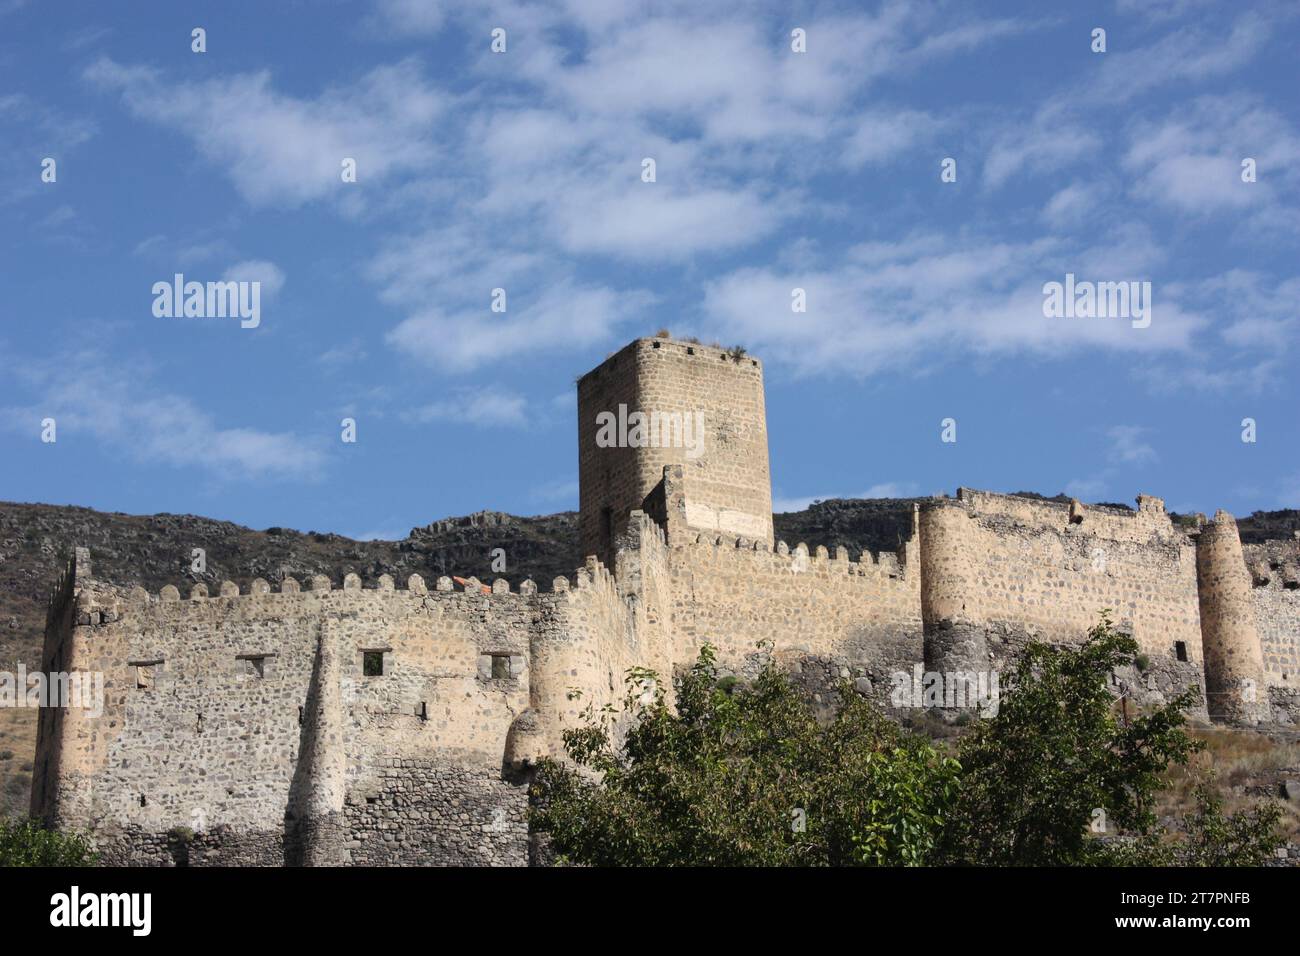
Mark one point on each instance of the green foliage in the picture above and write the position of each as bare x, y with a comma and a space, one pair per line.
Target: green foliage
27, 843
1034, 776
735, 774
741, 778
1248, 838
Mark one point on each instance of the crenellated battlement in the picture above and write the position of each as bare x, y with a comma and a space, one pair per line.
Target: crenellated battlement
1073, 517
801, 559
319, 584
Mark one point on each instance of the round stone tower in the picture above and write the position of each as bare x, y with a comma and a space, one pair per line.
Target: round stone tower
1234, 661
953, 638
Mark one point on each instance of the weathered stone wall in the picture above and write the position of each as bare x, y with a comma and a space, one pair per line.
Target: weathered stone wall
1275, 576
250, 715
999, 570
431, 811
859, 619
730, 478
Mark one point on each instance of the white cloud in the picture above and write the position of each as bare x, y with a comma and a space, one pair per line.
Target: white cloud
1073, 204
935, 299
1087, 489
414, 16
484, 407
1127, 446
1185, 56
284, 150
267, 273
91, 399
340, 355
1190, 160
1055, 138
182, 254
566, 316
881, 136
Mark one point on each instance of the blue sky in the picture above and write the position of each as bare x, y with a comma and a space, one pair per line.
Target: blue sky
522, 170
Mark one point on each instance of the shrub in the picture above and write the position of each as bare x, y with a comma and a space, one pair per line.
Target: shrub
741, 778
27, 843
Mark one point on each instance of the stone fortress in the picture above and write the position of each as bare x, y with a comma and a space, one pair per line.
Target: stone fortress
313, 724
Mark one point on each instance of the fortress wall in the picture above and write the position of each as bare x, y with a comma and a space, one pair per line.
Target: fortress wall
853, 618
1277, 615
999, 570
417, 752
731, 484
609, 479
53, 722
581, 652
1001, 561
1275, 572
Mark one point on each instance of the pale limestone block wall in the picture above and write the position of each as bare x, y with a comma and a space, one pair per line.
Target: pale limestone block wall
995, 561
1275, 569
732, 594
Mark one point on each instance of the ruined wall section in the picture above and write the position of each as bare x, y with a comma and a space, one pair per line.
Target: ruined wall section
1274, 567
250, 719
588, 639
999, 570
1275, 578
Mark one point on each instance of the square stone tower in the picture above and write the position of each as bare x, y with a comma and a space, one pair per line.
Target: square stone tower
700, 407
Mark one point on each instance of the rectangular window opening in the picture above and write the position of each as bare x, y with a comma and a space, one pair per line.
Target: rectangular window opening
1180, 650
500, 666
372, 663
146, 673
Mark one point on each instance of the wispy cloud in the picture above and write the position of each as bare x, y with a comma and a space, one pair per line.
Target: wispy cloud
283, 150
97, 401
1128, 447
930, 298
490, 407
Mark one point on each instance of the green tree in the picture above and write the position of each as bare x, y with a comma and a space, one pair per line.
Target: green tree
1057, 757
741, 776
1207, 837
27, 843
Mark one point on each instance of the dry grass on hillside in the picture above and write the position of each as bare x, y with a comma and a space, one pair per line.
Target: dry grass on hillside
1248, 767
17, 751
